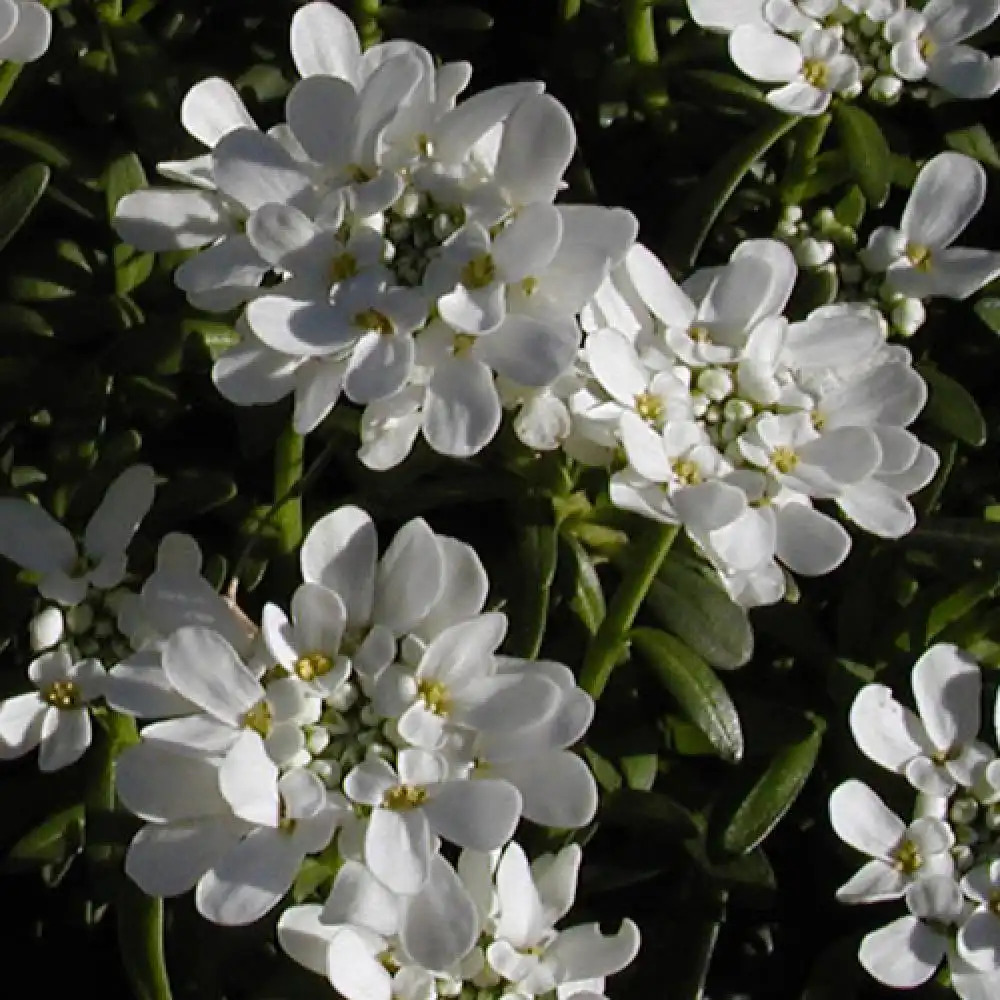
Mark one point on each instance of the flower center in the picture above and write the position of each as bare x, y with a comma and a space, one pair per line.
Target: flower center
784, 458
816, 72
927, 47
62, 694
919, 256
649, 407
529, 285
404, 797
479, 272
359, 174
435, 696
700, 334
82, 565
309, 666
687, 472
462, 344
342, 267
258, 719
374, 321
906, 858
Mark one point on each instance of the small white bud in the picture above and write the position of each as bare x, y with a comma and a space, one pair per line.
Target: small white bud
963, 857
885, 88
853, 91
908, 316
716, 383
408, 204
343, 698
792, 214
317, 739
46, 629
79, 618
963, 811
699, 403
738, 410
813, 253
713, 414
328, 771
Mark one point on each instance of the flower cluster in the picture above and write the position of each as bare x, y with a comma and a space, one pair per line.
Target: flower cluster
370, 724
900, 269
820, 48
734, 421
410, 249
945, 863
372, 946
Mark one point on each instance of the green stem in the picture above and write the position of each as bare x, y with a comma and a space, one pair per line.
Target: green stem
288, 467
606, 648
366, 14
640, 36
570, 10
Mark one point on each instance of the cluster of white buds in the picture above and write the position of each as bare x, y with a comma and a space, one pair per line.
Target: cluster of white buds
944, 863
818, 49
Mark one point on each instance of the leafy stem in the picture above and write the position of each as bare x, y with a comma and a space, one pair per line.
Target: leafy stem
650, 550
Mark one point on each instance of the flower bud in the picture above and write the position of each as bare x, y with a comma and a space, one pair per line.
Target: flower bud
813, 252
737, 409
908, 316
79, 618
407, 204
46, 629
715, 383
885, 89
963, 811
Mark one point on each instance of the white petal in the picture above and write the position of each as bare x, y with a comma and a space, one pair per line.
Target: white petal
168, 860
884, 730
583, 952
116, 520
170, 219
409, 577
527, 243
979, 940
204, 668
462, 410
862, 819
529, 351
902, 954
948, 193
304, 937
809, 542
254, 169
21, 719
616, 365
33, 538
658, 289
964, 72
799, 98
251, 373
521, 920
398, 849
212, 109
357, 897
248, 880
353, 969
65, 738
339, 552
324, 42
440, 924
946, 686
248, 781
161, 786
464, 651
317, 390
31, 35
538, 142
321, 112
874, 882
557, 789
763, 55
379, 366
480, 815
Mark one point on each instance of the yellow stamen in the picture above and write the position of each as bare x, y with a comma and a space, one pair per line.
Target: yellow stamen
816, 72
687, 472
342, 267
404, 797
462, 344
479, 272
785, 460
906, 858
309, 666
374, 322
435, 696
649, 407
62, 694
919, 256
258, 719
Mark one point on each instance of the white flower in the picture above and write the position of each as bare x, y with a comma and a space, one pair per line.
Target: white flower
978, 939
25, 30
938, 751
727, 15
918, 258
32, 538
901, 854
907, 952
54, 718
812, 69
416, 801
928, 44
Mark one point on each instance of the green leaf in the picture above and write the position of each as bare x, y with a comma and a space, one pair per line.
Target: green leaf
850, 210
952, 408
587, 600
988, 310
640, 770
770, 796
974, 141
867, 151
52, 841
534, 566
123, 176
140, 942
647, 811
694, 686
693, 604
958, 536
693, 222
19, 196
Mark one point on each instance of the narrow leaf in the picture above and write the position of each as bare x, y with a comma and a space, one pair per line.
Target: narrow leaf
952, 408
695, 687
19, 196
867, 151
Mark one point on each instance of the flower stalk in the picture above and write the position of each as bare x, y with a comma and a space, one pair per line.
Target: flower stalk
606, 648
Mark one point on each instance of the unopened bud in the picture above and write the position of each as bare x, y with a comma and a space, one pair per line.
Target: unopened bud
885, 89
813, 253
79, 618
715, 383
963, 811
908, 316
46, 629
